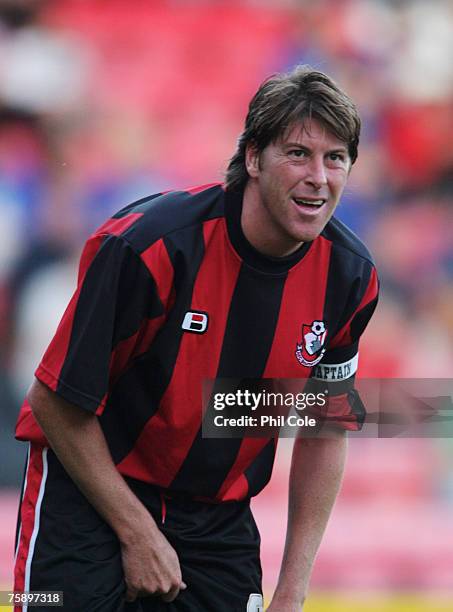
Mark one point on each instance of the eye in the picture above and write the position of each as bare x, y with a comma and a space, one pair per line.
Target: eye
297, 153
337, 157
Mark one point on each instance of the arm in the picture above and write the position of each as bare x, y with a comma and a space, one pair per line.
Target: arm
150, 564
316, 473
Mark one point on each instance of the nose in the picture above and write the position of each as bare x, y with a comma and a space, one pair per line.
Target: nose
316, 173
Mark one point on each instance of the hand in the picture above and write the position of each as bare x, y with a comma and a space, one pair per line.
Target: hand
151, 567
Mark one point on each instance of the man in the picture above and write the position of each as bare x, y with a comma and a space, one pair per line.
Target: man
212, 282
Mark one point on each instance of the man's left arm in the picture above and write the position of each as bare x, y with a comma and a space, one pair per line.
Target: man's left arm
318, 463
316, 473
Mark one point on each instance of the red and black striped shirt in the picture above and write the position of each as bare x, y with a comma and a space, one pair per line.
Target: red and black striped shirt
121, 352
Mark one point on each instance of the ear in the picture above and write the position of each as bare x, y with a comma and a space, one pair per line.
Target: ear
252, 160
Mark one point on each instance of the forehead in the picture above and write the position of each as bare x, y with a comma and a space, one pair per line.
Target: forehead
311, 133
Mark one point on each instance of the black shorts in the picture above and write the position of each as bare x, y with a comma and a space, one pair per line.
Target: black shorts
64, 545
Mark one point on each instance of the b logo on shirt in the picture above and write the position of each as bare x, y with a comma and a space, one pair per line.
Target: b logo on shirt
255, 603
195, 321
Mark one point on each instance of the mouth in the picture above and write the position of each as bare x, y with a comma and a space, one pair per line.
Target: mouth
309, 204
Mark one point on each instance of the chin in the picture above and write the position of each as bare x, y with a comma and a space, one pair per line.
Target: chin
308, 235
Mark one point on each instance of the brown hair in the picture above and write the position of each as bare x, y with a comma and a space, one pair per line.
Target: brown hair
284, 99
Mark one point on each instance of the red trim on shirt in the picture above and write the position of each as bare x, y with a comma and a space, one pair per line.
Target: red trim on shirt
343, 337
309, 278
159, 462
117, 226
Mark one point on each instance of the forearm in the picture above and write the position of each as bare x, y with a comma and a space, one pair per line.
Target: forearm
315, 478
150, 564
78, 441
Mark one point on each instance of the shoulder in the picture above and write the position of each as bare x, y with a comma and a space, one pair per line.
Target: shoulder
148, 220
352, 285
346, 241
351, 266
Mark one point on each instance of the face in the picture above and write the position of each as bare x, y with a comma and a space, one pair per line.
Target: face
294, 187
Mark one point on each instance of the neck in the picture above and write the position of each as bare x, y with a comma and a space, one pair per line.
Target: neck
260, 229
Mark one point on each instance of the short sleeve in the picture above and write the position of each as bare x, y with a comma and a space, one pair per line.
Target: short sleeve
337, 369
115, 297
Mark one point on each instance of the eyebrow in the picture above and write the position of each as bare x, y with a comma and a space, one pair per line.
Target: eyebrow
342, 148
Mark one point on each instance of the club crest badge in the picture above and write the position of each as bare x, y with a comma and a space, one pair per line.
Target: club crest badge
311, 349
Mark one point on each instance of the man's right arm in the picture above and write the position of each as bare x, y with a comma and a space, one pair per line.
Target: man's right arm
150, 563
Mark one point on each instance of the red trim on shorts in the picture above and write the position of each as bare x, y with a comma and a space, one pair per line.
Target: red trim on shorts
28, 516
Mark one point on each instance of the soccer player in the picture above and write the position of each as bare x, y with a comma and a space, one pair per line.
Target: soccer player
125, 505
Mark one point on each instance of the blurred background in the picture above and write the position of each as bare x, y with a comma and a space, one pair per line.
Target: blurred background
104, 102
